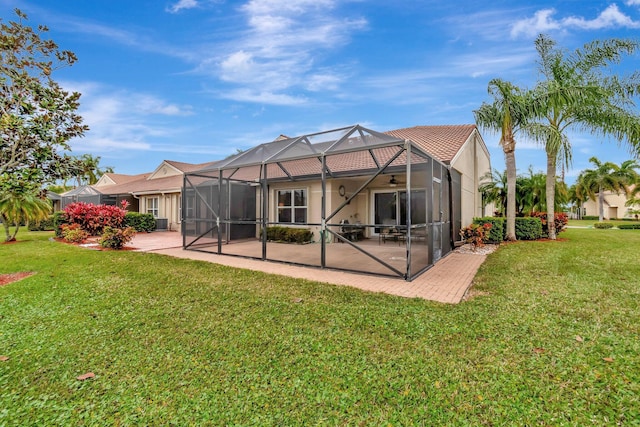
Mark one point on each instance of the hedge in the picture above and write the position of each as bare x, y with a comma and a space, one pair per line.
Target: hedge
140, 221
629, 226
498, 227
529, 228
289, 235
44, 225
590, 217
603, 225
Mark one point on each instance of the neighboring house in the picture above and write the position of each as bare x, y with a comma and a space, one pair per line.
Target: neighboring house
157, 192
346, 185
614, 206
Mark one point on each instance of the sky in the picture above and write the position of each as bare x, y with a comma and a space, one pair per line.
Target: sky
196, 80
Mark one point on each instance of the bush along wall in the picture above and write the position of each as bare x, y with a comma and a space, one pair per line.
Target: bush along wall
140, 221
498, 227
289, 235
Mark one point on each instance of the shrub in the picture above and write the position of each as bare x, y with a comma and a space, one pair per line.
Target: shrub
44, 225
288, 234
603, 225
591, 217
73, 233
94, 218
560, 218
528, 228
59, 219
498, 229
140, 221
476, 234
629, 226
116, 238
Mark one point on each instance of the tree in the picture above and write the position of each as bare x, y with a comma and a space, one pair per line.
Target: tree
576, 94
607, 176
507, 114
88, 170
494, 190
530, 192
37, 117
21, 205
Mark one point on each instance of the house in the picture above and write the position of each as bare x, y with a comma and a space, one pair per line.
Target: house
614, 206
157, 192
388, 203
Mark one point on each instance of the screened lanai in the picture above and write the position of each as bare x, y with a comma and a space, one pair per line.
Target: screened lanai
369, 203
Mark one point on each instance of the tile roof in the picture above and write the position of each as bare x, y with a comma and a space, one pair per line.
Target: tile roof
442, 142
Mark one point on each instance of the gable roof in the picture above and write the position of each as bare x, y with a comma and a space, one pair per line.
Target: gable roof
443, 142
147, 183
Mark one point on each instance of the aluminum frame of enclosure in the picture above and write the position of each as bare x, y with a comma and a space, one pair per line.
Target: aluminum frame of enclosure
235, 202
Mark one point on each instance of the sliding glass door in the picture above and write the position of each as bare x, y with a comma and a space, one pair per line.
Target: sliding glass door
390, 208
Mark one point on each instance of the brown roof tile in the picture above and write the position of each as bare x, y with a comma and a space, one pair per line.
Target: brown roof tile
442, 142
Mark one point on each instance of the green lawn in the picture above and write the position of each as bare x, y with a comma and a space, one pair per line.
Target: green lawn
552, 337
589, 223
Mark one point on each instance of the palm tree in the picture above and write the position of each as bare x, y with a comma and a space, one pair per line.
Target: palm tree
88, 170
507, 114
577, 95
607, 176
494, 190
531, 192
576, 197
19, 206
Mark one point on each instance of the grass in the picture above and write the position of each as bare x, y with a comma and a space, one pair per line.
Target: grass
552, 338
589, 223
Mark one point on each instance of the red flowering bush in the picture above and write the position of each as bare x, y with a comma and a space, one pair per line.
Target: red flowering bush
560, 219
476, 234
94, 218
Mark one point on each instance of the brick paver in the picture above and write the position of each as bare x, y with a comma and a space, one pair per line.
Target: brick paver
447, 281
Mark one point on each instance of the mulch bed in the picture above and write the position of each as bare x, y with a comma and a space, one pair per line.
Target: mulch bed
5, 279
92, 243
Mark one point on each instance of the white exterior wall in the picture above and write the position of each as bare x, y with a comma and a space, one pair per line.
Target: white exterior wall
168, 207
472, 162
614, 206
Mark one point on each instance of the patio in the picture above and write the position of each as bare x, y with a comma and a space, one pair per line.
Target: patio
447, 281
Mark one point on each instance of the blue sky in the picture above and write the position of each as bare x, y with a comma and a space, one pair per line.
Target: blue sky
194, 80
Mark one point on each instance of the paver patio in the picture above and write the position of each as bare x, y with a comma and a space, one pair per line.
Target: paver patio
447, 281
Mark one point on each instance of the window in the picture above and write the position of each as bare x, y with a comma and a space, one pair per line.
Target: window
292, 206
152, 206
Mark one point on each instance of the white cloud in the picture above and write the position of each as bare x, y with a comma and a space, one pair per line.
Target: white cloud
263, 97
280, 49
182, 4
632, 2
122, 119
543, 21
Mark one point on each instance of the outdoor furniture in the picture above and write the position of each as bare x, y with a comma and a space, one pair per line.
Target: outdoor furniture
351, 232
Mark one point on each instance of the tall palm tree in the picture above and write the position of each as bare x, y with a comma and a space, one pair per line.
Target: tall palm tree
607, 176
576, 94
18, 206
506, 115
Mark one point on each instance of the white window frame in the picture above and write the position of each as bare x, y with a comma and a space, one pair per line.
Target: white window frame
292, 207
154, 210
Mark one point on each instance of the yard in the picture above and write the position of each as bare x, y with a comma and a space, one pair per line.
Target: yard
550, 336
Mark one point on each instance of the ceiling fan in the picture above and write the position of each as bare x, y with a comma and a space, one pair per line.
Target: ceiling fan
393, 181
